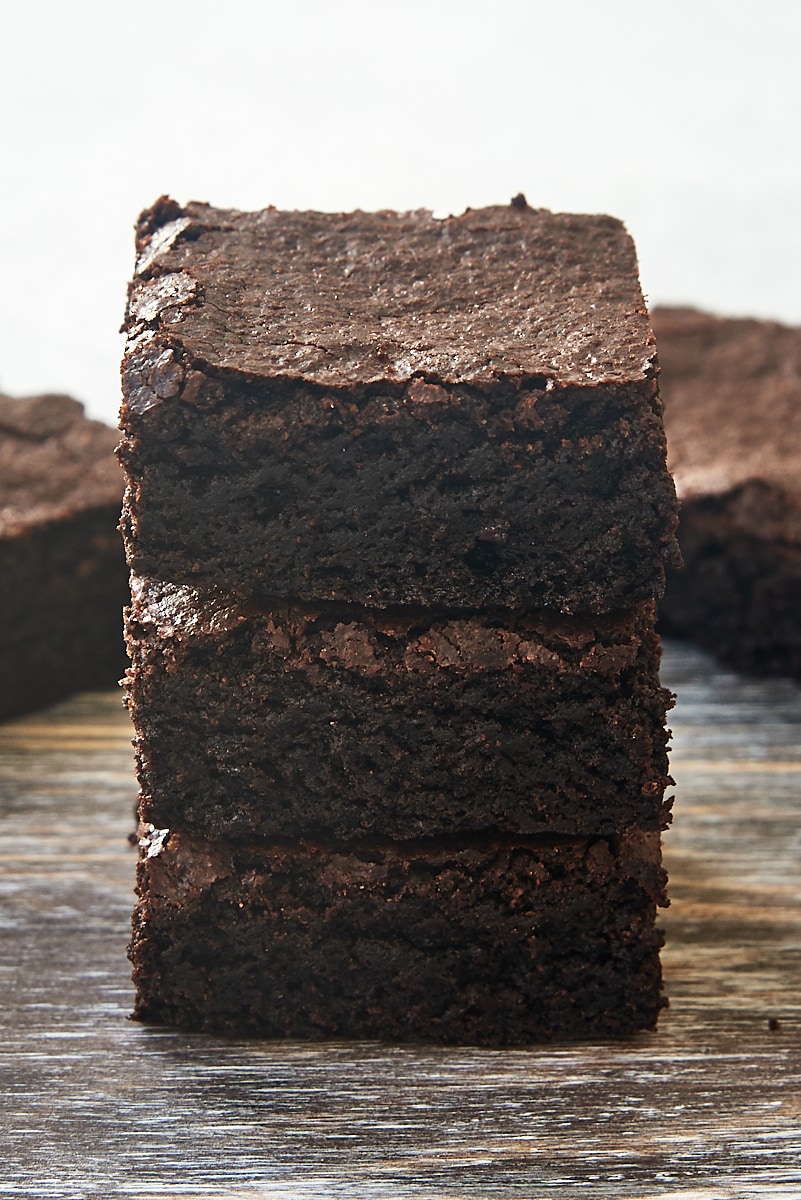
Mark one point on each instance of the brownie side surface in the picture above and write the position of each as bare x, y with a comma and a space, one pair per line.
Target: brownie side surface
496, 944
413, 495
519, 460
302, 719
62, 563
732, 391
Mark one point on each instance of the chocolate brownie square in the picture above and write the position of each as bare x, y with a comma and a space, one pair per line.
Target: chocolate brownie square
61, 556
732, 391
490, 942
385, 408
343, 722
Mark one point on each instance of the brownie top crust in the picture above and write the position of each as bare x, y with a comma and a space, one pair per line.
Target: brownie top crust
348, 300
54, 462
732, 395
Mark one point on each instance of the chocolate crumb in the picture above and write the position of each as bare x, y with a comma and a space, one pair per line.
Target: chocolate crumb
774, 1024
519, 201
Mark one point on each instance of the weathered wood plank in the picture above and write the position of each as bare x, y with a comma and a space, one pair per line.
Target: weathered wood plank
707, 1108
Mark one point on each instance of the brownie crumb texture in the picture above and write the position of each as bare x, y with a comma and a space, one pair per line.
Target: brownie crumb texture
400, 735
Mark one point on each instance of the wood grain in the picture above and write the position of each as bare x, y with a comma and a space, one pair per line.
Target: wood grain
707, 1108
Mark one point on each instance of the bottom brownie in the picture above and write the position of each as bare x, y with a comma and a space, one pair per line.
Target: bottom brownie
497, 944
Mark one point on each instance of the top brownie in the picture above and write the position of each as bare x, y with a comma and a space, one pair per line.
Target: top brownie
390, 408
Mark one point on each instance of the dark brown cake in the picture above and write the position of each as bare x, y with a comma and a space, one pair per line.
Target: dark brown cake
64, 581
386, 408
489, 942
732, 391
338, 722
397, 513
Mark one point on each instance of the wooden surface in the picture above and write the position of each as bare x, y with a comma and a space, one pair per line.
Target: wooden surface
707, 1108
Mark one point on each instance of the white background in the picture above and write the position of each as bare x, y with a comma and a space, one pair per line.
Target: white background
680, 117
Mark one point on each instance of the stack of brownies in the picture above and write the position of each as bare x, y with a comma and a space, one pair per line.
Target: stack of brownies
397, 516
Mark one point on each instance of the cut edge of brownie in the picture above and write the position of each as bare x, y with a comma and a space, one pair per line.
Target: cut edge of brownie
341, 721
414, 493
500, 943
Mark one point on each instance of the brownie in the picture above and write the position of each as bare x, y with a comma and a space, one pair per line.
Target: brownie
489, 942
732, 392
398, 514
61, 557
384, 408
342, 722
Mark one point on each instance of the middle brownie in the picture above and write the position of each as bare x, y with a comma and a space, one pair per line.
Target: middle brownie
308, 719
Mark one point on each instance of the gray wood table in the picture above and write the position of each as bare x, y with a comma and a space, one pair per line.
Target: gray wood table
707, 1108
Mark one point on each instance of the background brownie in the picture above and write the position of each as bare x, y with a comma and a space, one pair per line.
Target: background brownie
342, 721
387, 408
61, 556
492, 943
732, 391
